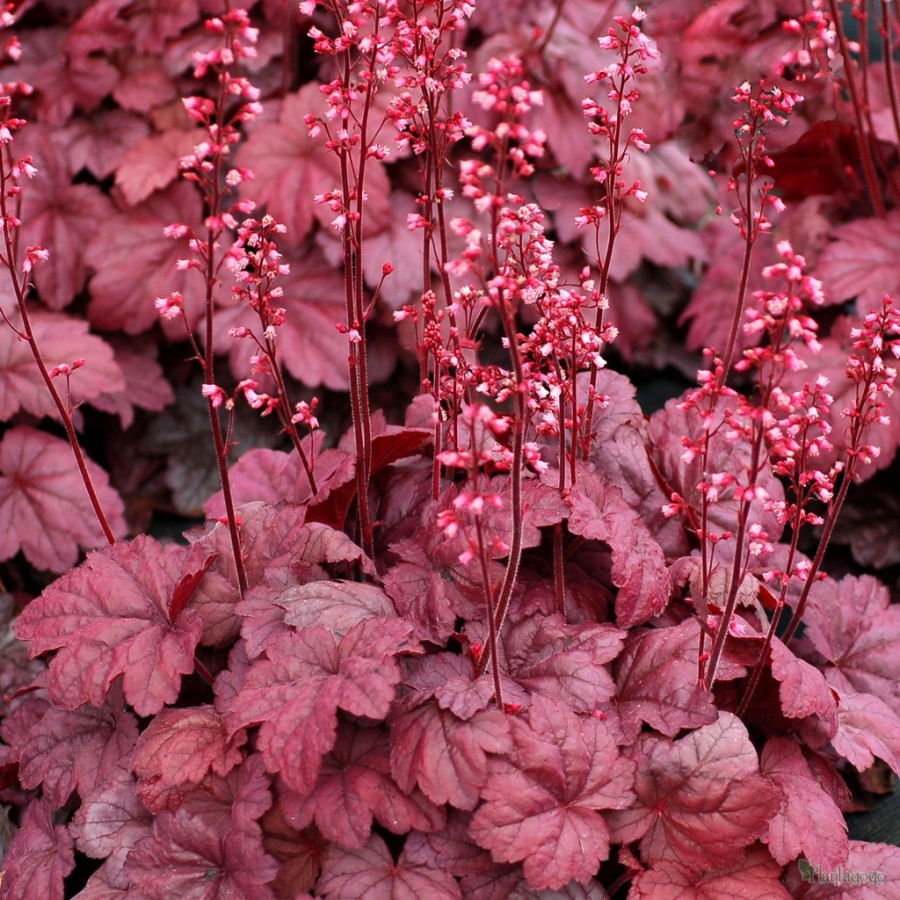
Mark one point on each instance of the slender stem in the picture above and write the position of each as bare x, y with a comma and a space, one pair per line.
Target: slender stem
862, 135
28, 333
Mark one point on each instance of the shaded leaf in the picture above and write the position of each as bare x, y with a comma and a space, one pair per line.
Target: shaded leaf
45, 504
808, 822
354, 787
39, 857
179, 747
599, 511
755, 878
370, 873
186, 857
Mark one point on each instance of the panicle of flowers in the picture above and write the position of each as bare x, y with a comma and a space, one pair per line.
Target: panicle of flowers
872, 377
633, 52
504, 91
781, 316
764, 106
256, 264
237, 103
431, 70
817, 41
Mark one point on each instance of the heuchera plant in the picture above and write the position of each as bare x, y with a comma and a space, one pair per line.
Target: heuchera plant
496, 632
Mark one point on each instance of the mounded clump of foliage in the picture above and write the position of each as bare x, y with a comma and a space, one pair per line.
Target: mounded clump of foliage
489, 629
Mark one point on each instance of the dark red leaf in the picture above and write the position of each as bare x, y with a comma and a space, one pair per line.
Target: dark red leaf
178, 748
371, 872
39, 857
541, 803
354, 787
701, 799
299, 855
187, 587
808, 822
187, 857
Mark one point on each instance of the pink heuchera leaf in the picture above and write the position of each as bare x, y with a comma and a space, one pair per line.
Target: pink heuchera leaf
541, 803
309, 345
151, 163
802, 688
831, 362
450, 849
299, 855
295, 693
97, 143
273, 476
110, 821
237, 800
668, 426
808, 821
700, 799
355, 787
135, 263
862, 260
756, 877
145, 384
444, 754
335, 604
108, 618
371, 872
78, 749
62, 339
853, 624
57, 214
179, 747
599, 511
281, 550
187, 857
563, 661
572, 891
657, 679
44, 503
867, 727
710, 311
39, 857
450, 679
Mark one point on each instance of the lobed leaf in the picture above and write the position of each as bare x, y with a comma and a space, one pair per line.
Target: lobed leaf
109, 619
700, 799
